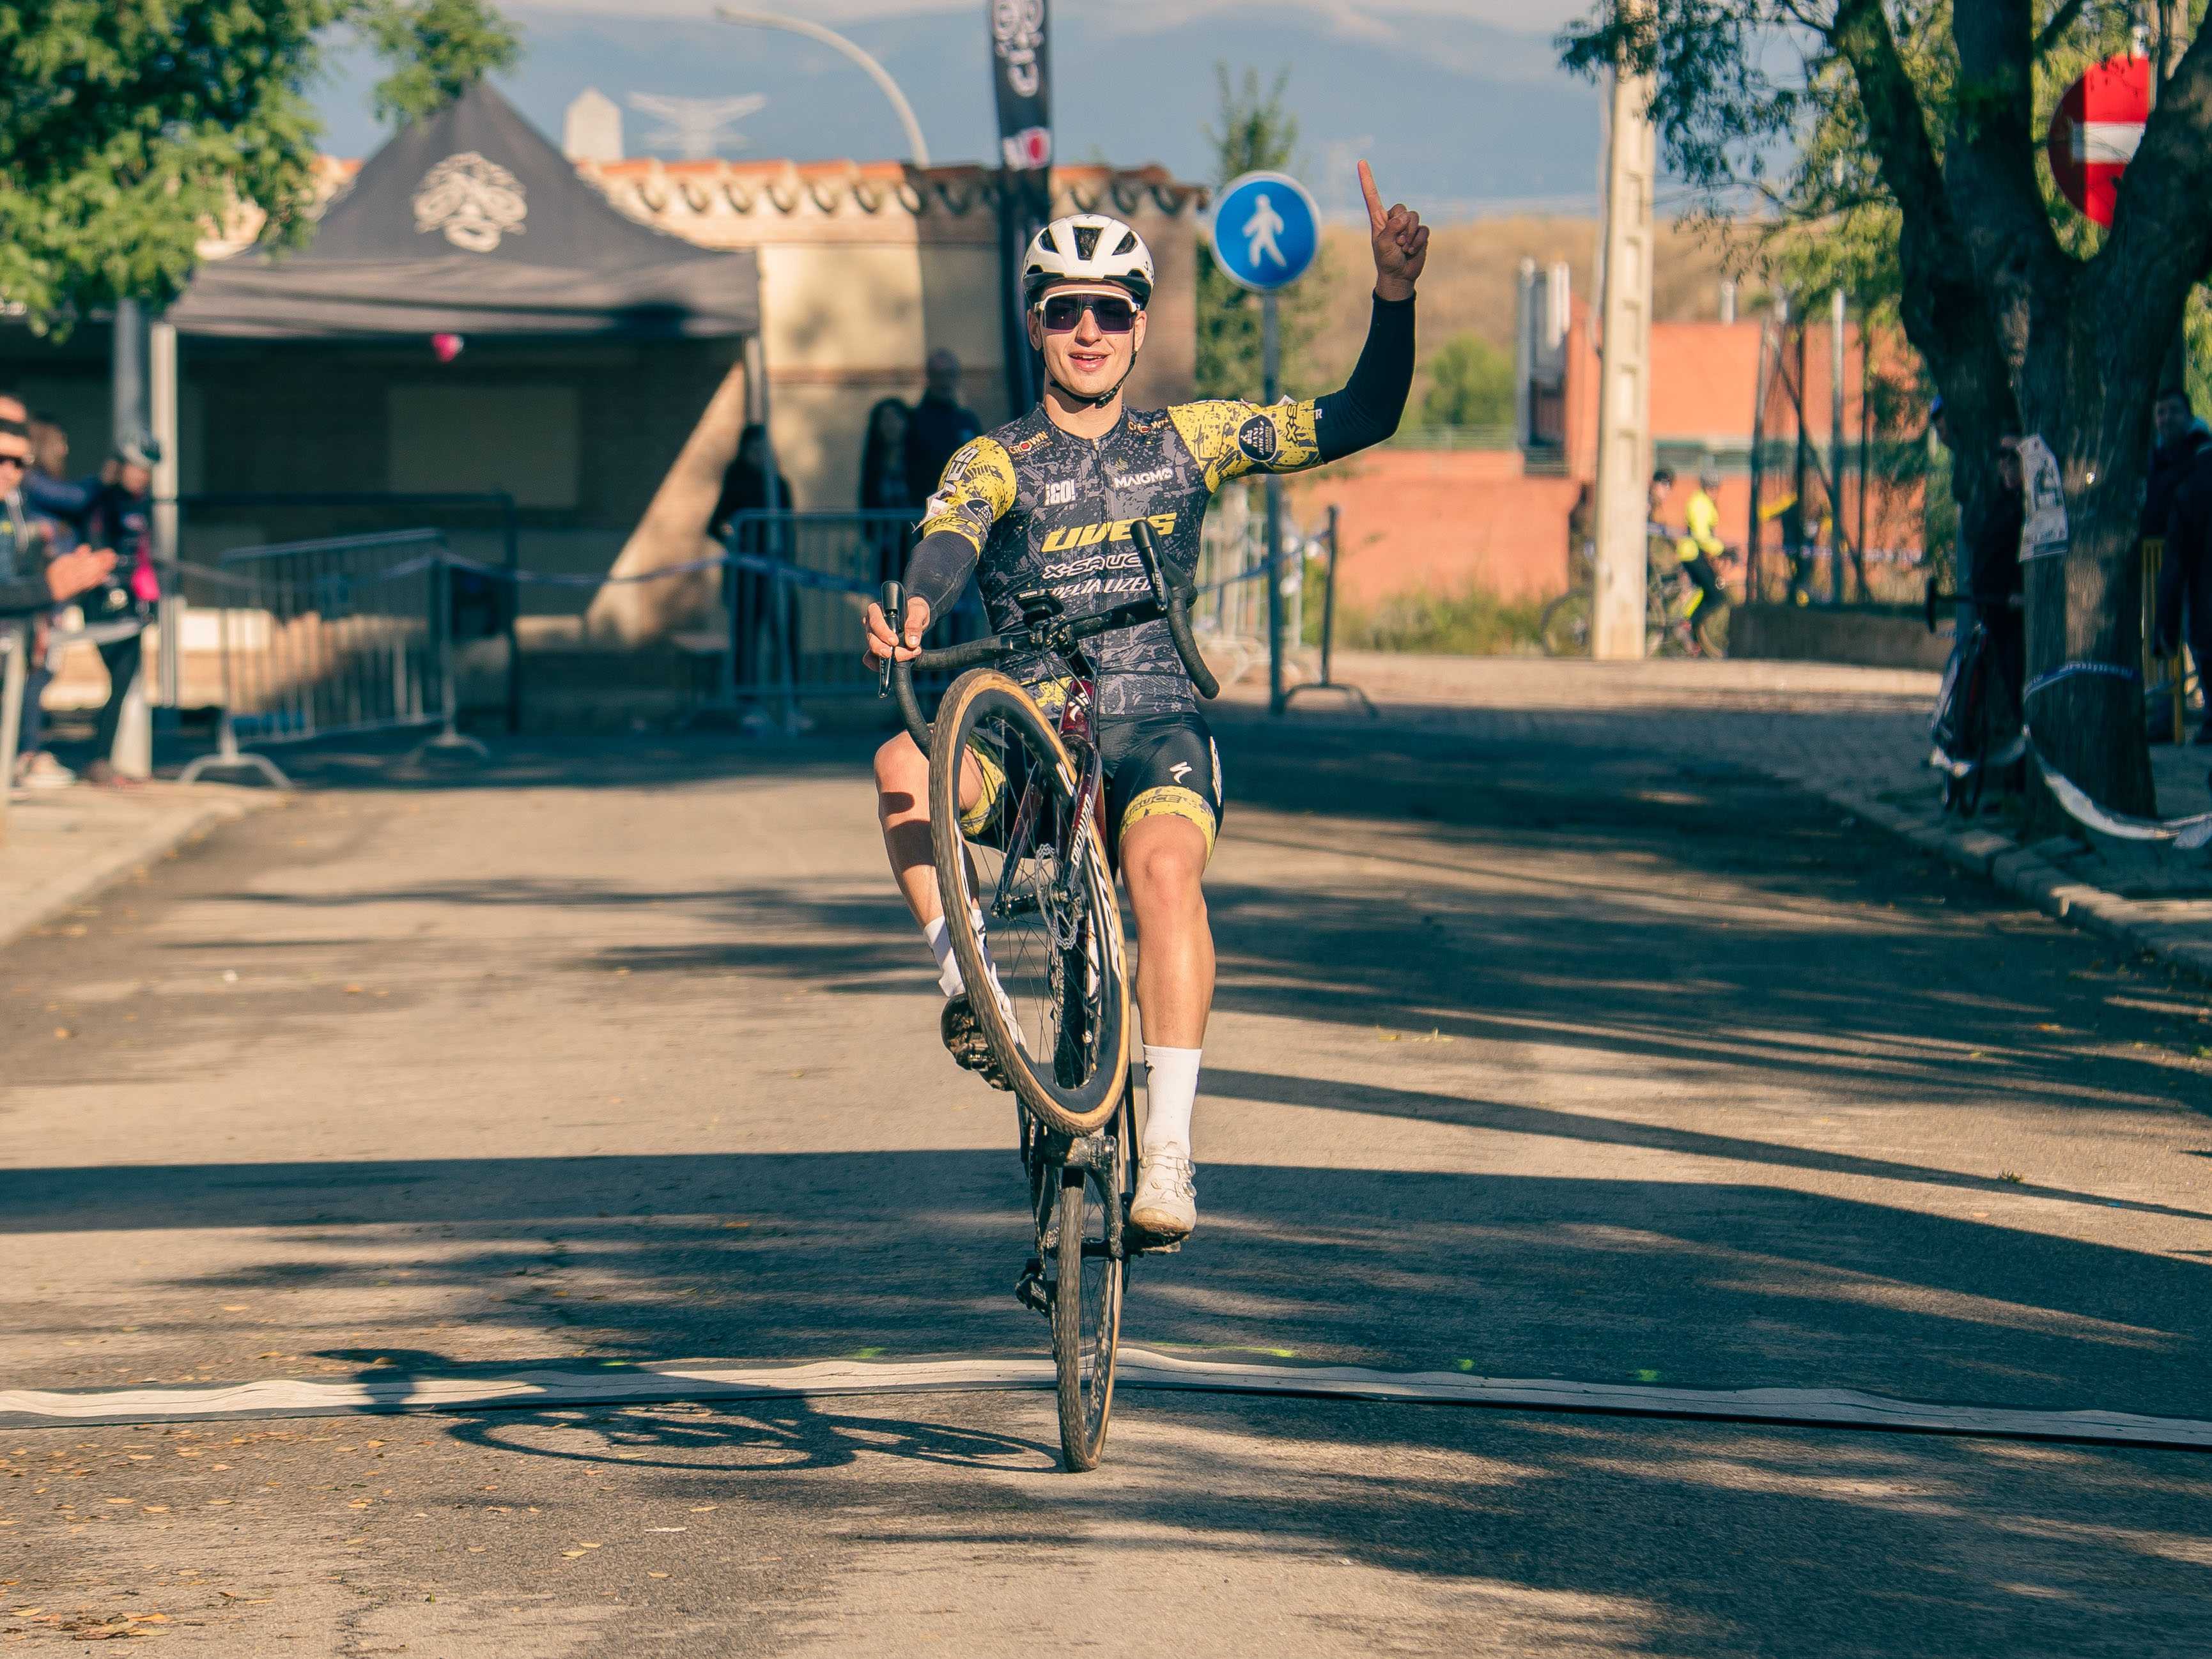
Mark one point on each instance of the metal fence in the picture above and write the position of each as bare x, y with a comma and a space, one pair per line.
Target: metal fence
341, 636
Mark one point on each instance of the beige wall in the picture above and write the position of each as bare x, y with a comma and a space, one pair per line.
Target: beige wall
866, 270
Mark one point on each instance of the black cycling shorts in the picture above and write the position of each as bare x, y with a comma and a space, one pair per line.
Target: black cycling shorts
1160, 765
1156, 766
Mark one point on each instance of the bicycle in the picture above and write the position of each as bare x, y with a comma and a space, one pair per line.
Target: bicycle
1564, 629
1967, 718
1027, 863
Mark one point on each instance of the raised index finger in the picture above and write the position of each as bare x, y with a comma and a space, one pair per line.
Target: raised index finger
1374, 197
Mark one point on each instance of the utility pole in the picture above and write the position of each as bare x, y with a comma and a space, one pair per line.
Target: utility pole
1836, 450
1624, 397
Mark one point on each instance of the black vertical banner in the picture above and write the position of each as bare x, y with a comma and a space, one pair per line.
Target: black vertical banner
1021, 79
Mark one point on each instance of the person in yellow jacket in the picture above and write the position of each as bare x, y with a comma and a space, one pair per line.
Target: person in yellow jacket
1701, 548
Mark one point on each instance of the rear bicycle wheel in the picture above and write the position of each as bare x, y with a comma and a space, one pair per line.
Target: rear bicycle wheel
1086, 1303
1563, 630
1047, 976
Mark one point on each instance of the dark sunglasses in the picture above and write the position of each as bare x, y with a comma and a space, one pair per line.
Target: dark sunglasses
15, 461
1063, 312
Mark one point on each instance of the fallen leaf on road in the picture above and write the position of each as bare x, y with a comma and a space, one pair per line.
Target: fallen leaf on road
656, 1574
705, 1509
571, 1555
63, 1032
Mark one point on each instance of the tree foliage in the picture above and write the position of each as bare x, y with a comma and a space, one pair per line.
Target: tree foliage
1470, 385
1257, 133
126, 130
1897, 143
437, 49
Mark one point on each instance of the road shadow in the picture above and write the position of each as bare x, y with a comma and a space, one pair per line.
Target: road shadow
1705, 1284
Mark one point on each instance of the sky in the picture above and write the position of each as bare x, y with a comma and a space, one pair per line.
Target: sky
1460, 104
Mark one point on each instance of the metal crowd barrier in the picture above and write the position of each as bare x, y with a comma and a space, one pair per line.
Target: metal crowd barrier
342, 636
2165, 680
794, 587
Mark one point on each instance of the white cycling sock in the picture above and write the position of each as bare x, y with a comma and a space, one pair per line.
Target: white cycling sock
949, 977
1171, 1091
948, 965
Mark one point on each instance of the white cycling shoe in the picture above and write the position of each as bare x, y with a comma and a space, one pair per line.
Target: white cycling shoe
1166, 1202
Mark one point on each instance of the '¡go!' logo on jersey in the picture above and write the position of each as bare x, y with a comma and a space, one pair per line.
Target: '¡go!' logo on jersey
1113, 529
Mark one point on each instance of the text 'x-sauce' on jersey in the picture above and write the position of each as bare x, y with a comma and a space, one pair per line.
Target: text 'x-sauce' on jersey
1044, 508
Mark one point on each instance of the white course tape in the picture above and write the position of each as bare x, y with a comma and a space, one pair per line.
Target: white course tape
1140, 1368
2189, 834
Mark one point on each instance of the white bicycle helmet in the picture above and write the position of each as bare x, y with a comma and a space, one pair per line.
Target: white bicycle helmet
1088, 247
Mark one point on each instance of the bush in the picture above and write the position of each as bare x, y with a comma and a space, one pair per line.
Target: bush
1470, 385
1474, 622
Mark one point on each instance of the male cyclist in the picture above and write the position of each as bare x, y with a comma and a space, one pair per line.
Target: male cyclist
1700, 549
1046, 501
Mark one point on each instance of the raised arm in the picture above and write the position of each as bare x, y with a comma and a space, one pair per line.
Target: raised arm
1231, 439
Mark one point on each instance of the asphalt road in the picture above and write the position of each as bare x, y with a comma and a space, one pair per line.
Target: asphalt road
1534, 1058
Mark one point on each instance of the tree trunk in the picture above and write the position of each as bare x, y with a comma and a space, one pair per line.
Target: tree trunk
2085, 610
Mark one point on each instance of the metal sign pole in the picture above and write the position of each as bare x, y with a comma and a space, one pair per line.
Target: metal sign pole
1271, 366
16, 647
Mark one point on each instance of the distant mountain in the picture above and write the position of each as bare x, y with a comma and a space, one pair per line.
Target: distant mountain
1457, 117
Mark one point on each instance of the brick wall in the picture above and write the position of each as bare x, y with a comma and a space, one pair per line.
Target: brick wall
1442, 521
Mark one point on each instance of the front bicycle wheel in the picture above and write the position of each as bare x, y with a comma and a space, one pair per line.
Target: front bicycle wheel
1087, 1305
1029, 904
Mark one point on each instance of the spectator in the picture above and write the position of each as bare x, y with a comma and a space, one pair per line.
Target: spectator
1994, 569
754, 483
36, 768
30, 584
2184, 581
121, 517
938, 425
2177, 435
884, 486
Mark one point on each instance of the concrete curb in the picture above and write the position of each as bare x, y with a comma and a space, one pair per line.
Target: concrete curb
2027, 874
165, 833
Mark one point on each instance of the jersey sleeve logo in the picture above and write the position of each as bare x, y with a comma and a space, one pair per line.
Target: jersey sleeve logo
1256, 438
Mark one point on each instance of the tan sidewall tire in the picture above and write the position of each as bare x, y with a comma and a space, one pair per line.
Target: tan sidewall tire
949, 846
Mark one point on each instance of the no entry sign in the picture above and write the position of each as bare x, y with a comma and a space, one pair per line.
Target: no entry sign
2094, 131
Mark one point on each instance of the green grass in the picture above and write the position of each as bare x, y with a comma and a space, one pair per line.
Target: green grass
1472, 623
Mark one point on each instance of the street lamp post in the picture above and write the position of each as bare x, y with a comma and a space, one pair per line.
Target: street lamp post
770, 19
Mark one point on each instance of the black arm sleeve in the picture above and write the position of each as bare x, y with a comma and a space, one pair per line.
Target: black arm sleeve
939, 569
1366, 411
26, 597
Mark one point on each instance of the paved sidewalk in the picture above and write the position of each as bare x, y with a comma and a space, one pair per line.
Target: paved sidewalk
64, 846
1857, 736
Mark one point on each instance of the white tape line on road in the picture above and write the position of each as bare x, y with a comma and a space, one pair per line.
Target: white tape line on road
1140, 1368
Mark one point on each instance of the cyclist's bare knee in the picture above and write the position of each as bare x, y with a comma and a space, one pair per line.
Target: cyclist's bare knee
901, 776
1164, 859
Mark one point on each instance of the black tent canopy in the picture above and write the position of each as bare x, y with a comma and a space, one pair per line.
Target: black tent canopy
471, 223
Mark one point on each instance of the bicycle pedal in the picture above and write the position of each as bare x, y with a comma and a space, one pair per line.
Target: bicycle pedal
1140, 1242
1032, 1291
965, 1042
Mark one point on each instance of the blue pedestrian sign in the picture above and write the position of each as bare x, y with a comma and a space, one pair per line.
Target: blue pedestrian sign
1266, 231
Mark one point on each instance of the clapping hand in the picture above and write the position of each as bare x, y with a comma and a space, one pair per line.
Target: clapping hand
74, 573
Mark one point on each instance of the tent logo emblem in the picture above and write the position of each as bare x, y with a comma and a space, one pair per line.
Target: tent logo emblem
474, 201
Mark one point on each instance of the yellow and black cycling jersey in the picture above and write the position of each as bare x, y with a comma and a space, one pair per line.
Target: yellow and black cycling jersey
1702, 522
1030, 506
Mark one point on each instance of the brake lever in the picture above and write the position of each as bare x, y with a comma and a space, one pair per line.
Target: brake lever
893, 598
